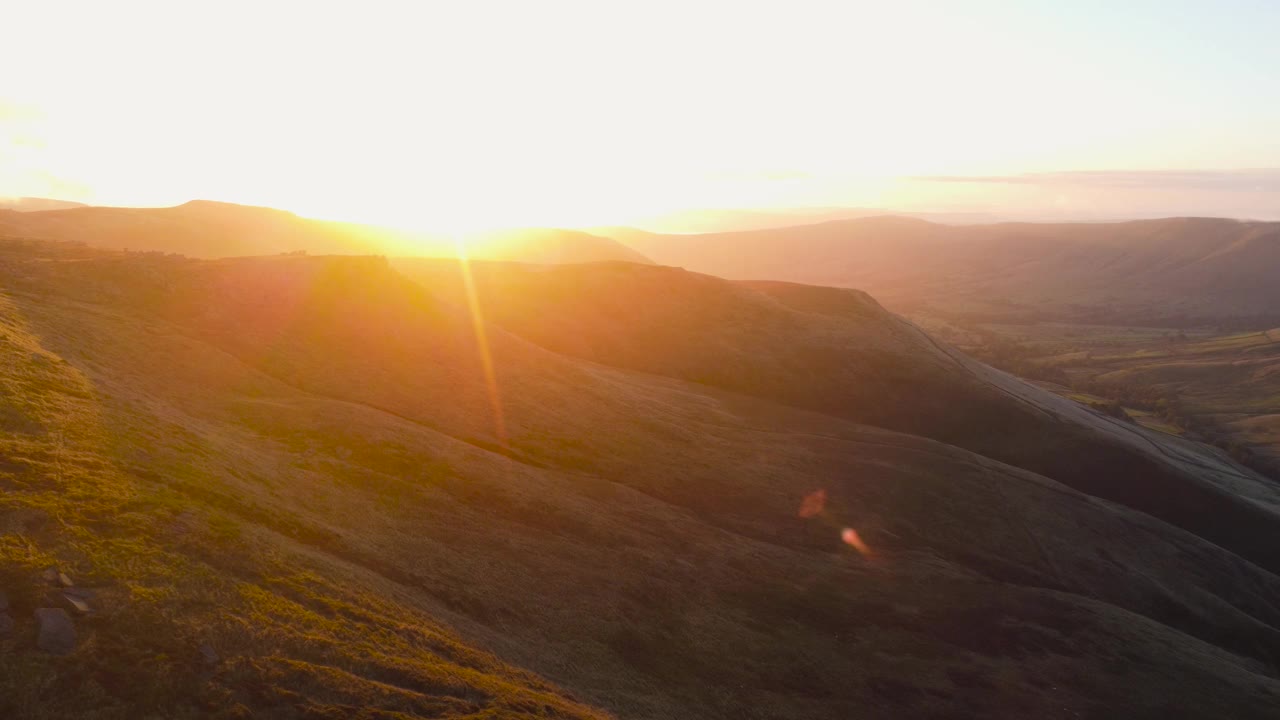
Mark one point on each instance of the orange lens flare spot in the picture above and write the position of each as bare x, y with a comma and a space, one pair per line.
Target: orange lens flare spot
851, 538
813, 504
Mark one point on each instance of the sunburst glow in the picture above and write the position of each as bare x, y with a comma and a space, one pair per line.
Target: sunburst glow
492, 114
479, 329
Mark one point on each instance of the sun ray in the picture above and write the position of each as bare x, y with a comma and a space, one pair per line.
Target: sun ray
482, 340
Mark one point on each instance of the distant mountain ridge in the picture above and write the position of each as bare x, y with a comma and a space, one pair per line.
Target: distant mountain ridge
1148, 270
694, 221
34, 204
210, 229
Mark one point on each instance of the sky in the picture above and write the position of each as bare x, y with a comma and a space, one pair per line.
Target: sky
486, 113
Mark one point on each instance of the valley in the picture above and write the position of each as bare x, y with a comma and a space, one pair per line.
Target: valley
1170, 320
1216, 385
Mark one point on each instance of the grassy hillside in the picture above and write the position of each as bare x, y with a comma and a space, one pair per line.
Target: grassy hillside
837, 352
296, 463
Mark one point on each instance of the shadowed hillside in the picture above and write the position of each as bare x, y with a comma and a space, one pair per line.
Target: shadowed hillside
298, 464
838, 352
1175, 269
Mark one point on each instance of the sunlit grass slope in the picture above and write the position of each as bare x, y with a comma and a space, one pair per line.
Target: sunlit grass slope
111, 482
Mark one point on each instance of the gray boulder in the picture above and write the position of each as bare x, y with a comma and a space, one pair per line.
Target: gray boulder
57, 634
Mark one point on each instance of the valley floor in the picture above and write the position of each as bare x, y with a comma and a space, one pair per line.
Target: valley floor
1214, 385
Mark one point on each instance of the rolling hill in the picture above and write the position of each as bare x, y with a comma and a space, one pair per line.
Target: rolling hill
295, 491
30, 204
207, 229
1175, 270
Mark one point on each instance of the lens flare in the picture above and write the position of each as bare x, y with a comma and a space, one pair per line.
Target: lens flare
851, 538
482, 340
813, 504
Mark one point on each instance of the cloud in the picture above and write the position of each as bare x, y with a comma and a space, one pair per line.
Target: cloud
1252, 180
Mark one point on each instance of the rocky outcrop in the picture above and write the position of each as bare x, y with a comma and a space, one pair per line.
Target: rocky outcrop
56, 633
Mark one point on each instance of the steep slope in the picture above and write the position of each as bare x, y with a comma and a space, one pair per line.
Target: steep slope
205, 601
837, 352
297, 461
1147, 270
202, 228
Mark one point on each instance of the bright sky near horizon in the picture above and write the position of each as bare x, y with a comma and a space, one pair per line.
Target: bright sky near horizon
471, 113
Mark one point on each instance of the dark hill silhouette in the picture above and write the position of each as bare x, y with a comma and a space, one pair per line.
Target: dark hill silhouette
1144, 270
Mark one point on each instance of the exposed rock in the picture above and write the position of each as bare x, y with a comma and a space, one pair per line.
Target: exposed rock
57, 634
56, 577
6, 624
4, 601
77, 603
209, 654
79, 593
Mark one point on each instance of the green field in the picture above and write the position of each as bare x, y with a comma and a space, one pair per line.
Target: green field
1218, 387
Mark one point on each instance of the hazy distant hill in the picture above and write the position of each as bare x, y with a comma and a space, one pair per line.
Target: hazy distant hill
1145, 270
549, 246
735, 220
203, 228
31, 204
295, 492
